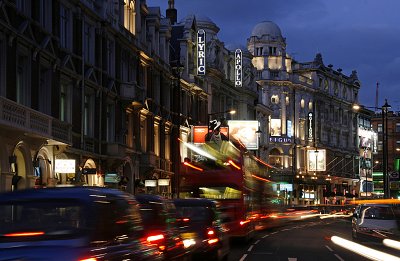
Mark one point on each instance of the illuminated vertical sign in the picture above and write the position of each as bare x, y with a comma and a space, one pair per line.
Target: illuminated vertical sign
238, 68
201, 52
310, 126
289, 129
375, 143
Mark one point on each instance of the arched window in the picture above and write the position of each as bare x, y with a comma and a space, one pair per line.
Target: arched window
336, 89
326, 85
275, 99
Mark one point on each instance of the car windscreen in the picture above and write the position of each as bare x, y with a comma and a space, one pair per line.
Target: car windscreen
152, 214
379, 212
39, 219
200, 214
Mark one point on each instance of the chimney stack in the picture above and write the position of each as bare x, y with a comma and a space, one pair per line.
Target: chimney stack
171, 12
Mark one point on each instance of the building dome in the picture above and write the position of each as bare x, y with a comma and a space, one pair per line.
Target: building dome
266, 28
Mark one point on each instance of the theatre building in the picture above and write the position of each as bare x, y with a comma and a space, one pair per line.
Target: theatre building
313, 130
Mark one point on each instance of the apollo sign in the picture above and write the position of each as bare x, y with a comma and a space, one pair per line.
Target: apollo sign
201, 52
238, 68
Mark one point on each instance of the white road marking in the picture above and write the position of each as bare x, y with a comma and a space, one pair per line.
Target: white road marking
243, 257
265, 236
250, 248
256, 242
338, 257
292, 258
330, 249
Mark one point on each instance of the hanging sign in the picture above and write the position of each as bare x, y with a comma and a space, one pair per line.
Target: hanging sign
238, 68
201, 52
310, 126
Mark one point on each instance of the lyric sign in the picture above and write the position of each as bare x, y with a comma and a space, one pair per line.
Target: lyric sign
201, 52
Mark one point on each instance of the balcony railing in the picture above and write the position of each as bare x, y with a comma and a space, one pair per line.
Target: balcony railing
22, 118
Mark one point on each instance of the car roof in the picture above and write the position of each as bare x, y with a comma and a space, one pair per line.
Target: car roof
84, 194
145, 198
376, 205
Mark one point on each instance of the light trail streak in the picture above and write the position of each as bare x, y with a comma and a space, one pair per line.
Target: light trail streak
363, 250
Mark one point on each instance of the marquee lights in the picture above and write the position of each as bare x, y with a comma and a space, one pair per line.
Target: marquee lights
201, 52
238, 68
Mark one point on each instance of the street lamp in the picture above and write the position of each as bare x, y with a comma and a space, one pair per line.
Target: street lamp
386, 187
177, 70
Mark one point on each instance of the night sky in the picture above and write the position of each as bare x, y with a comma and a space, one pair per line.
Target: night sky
361, 35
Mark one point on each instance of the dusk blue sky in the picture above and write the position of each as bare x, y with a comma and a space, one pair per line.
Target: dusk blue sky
361, 35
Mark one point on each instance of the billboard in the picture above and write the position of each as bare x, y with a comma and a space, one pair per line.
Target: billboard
316, 160
276, 127
245, 132
366, 148
64, 166
200, 132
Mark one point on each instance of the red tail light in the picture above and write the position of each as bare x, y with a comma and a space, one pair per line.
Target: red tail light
244, 222
24, 234
157, 240
212, 241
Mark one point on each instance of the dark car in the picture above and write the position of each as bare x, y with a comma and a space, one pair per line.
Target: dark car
376, 222
161, 228
72, 223
201, 229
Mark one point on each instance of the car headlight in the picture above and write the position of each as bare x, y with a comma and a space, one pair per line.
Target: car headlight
188, 242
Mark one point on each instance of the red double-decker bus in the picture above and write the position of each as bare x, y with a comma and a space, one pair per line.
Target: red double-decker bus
232, 176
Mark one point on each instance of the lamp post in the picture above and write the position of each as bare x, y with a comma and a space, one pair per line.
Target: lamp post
258, 133
386, 187
177, 70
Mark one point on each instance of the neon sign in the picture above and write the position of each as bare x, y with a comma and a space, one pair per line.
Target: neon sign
310, 126
201, 52
238, 68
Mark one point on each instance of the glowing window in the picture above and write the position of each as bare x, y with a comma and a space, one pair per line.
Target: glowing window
275, 99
